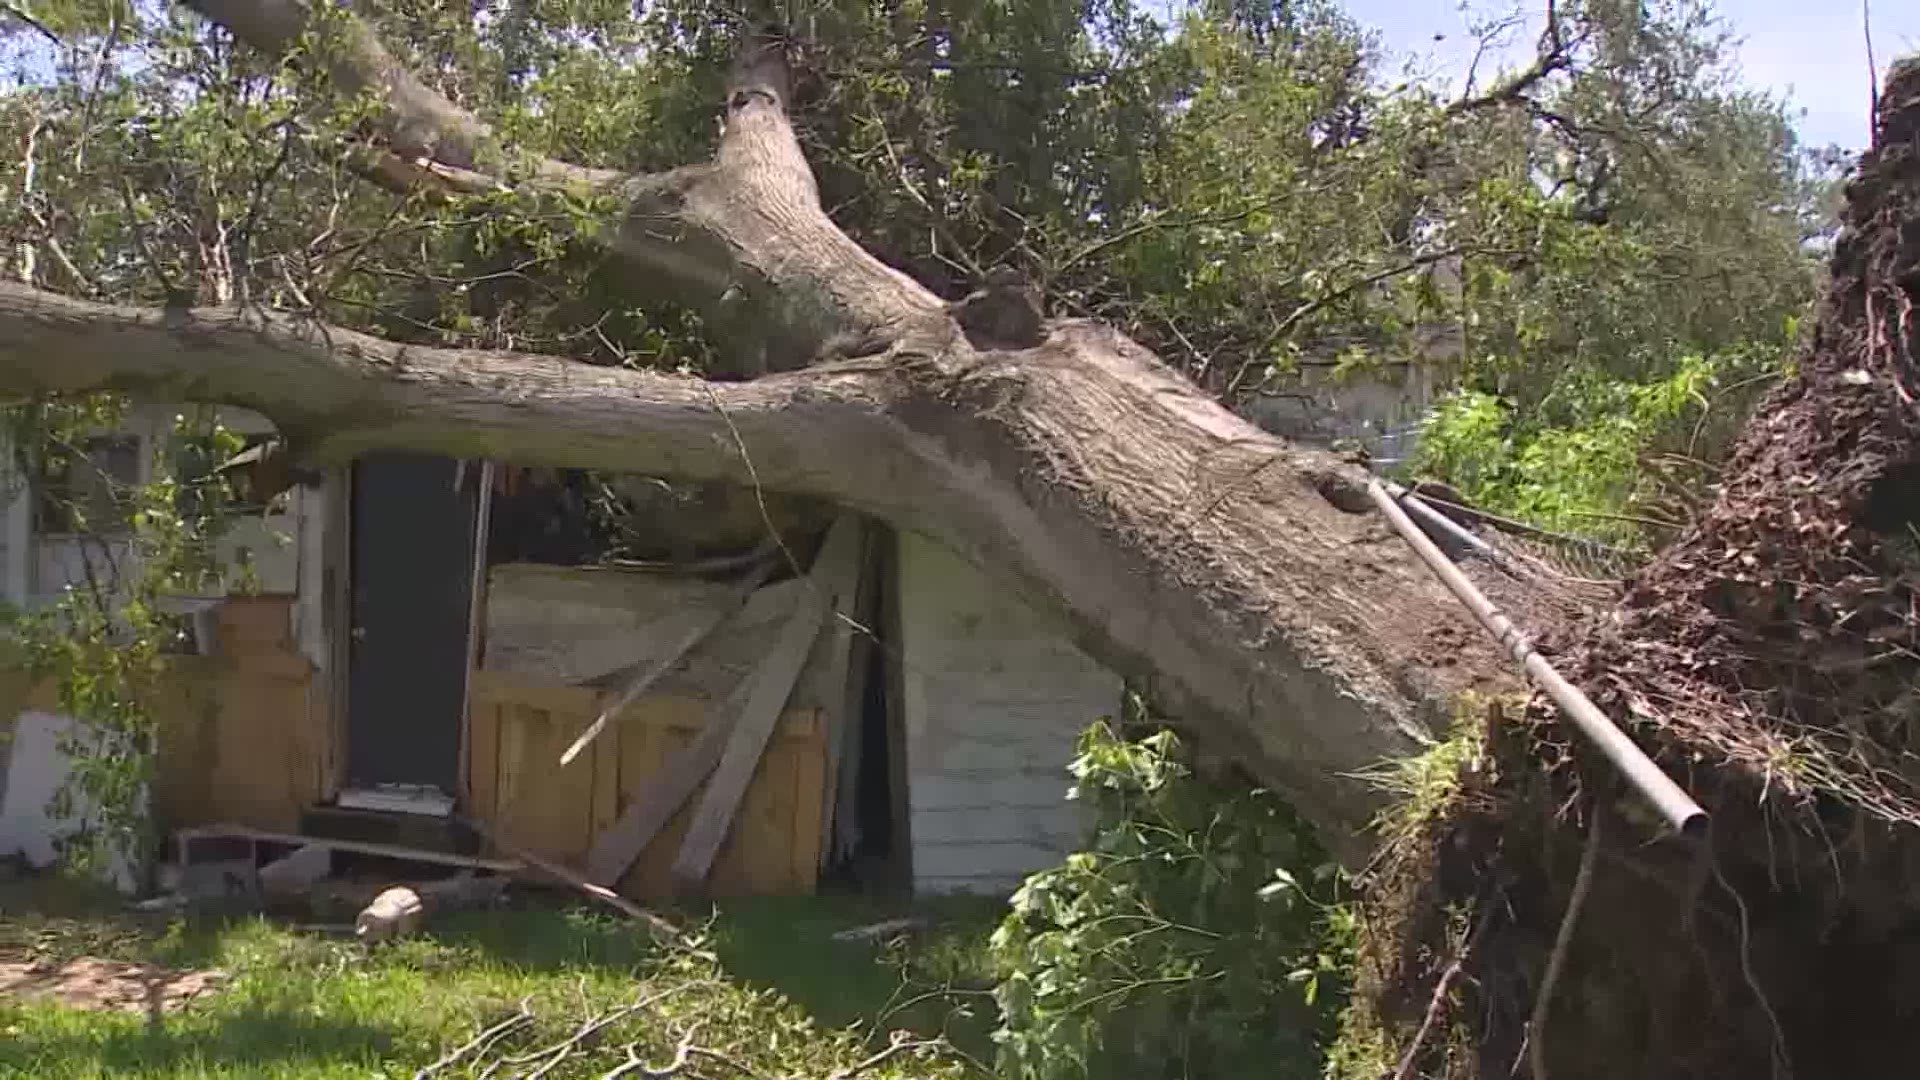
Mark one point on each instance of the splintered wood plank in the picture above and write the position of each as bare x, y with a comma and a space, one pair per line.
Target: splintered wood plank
669, 785
662, 929
698, 624
808, 754
365, 847
769, 689
771, 684
848, 684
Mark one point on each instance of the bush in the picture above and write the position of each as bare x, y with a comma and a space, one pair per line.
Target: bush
1197, 935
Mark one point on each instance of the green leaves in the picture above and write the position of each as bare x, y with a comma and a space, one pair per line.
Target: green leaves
1189, 936
104, 642
1597, 458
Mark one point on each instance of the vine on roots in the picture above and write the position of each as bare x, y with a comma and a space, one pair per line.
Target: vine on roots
103, 641
1199, 933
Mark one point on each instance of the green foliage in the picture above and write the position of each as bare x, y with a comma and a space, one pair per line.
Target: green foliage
1248, 188
1602, 457
1424, 787
1197, 934
103, 642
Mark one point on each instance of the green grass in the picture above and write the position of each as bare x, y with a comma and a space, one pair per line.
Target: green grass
761, 984
938, 983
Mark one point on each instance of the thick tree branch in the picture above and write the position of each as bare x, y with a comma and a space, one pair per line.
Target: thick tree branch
1180, 545
743, 240
419, 124
338, 392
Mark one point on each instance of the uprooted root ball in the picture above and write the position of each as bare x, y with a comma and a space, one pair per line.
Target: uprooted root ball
1770, 659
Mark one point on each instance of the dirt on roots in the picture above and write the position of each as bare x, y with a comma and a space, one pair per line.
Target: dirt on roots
1770, 660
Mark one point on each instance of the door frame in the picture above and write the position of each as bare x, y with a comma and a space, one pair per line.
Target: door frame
476, 634
337, 576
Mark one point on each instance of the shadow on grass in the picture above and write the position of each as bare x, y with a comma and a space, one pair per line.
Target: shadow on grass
937, 981
249, 1042
537, 935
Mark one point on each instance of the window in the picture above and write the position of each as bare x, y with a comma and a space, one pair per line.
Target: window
85, 487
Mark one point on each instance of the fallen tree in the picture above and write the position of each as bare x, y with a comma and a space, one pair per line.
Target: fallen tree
1242, 580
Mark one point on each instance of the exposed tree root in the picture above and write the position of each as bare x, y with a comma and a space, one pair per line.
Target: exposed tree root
1770, 660
1562, 941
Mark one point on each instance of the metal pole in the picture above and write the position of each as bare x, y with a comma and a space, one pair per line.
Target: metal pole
1675, 805
1423, 510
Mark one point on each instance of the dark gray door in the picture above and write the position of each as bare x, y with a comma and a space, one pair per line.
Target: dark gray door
412, 565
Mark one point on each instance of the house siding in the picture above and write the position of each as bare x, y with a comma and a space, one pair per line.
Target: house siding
995, 697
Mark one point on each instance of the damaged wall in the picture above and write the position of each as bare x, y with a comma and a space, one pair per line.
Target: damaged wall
592, 625
995, 697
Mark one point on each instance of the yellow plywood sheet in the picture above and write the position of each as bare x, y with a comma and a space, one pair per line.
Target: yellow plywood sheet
241, 739
483, 758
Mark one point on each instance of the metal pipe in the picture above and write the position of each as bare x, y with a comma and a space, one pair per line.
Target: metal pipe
1425, 512
1685, 815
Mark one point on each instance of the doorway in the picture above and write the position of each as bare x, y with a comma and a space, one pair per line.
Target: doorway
413, 524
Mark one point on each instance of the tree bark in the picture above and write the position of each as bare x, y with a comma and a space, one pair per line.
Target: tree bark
1242, 579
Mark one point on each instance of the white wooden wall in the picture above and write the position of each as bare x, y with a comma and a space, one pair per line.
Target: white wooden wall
995, 697
284, 548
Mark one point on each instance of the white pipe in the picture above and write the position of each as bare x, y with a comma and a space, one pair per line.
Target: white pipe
1674, 804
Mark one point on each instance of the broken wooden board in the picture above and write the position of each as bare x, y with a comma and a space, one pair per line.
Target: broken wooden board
834, 573
661, 928
616, 849
362, 847
853, 643
294, 874
700, 622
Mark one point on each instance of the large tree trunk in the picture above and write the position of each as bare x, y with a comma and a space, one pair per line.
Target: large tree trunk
1242, 579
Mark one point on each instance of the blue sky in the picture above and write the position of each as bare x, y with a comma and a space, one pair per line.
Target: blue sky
1813, 53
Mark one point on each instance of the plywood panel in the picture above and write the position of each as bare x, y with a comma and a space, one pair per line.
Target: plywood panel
767, 820
509, 809
188, 737
519, 788
242, 739
656, 729
483, 758
812, 770
503, 689
539, 804
262, 767
558, 808
605, 770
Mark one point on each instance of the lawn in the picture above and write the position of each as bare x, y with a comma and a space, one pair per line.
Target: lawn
759, 989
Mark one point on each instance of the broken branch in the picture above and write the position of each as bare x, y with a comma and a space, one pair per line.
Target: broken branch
635, 1063
480, 1043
